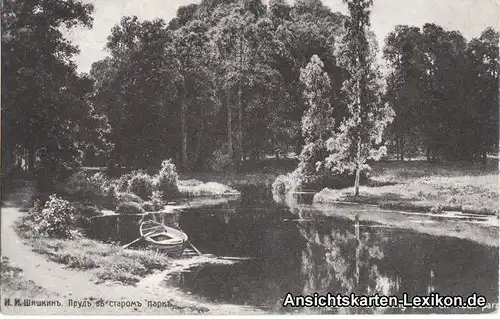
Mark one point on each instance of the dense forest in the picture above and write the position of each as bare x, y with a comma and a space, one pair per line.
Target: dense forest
228, 81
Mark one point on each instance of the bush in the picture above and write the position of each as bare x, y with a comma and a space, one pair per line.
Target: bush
291, 182
127, 197
86, 211
220, 161
279, 185
157, 201
80, 186
141, 184
128, 208
299, 181
96, 188
122, 183
167, 179
109, 200
56, 219
148, 206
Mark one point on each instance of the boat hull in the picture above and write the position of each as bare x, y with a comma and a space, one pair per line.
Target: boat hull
171, 250
162, 238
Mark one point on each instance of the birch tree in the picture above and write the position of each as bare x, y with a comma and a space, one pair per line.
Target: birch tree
359, 136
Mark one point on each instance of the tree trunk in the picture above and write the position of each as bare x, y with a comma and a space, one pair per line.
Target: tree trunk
358, 170
184, 137
402, 149
397, 149
484, 158
31, 159
298, 148
7, 158
229, 125
241, 152
358, 151
197, 152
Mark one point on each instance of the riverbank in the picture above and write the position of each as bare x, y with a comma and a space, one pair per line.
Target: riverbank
454, 225
425, 187
87, 270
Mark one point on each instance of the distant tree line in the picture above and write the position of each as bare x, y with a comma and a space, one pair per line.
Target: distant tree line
444, 91
227, 81
221, 78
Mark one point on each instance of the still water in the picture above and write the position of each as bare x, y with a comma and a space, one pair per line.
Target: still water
303, 251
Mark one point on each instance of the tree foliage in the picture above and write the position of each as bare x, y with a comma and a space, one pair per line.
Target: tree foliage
48, 119
444, 91
317, 122
227, 81
359, 136
227, 67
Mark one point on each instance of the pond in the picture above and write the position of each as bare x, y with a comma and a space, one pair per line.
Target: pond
304, 251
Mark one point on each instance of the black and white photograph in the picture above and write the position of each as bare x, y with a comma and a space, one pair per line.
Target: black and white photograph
249, 157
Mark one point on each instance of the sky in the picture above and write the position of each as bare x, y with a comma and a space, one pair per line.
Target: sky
470, 17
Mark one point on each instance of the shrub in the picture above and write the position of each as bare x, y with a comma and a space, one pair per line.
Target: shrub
55, 219
148, 206
95, 188
81, 186
157, 201
122, 183
220, 161
167, 179
86, 211
99, 180
288, 183
109, 200
141, 184
298, 180
279, 185
127, 197
128, 208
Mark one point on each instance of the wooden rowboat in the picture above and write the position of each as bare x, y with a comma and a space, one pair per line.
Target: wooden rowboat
167, 239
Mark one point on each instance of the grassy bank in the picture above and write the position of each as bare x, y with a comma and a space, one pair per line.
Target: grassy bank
106, 262
423, 186
234, 180
196, 188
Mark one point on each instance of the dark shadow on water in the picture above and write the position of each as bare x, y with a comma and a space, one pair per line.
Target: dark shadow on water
300, 250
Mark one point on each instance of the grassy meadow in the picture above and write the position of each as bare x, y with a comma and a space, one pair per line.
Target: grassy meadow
424, 186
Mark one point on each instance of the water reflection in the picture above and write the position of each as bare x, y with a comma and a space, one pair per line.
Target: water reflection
298, 249
343, 260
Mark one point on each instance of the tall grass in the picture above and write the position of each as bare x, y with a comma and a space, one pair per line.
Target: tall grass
108, 262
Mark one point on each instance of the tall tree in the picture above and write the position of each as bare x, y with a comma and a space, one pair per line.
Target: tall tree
443, 95
301, 31
360, 133
482, 92
139, 91
198, 88
443, 91
46, 112
233, 35
317, 122
405, 56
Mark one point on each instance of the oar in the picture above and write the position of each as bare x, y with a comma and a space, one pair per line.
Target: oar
133, 242
188, 241
194, 248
